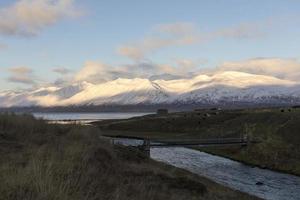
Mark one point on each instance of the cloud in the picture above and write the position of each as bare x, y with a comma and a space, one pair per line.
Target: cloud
90, 72
282, 68
62, 70
163, 36
65, 76
145, 69
20, 70
97, 72
184, 33
21, 75
188, 65
60, 82
29, 17
243, 31
148, 69
177, 28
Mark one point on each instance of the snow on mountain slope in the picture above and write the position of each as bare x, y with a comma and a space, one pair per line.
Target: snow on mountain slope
257, 94
229, 86
45, 96
119, 91
9, 99
229, 78
237, 86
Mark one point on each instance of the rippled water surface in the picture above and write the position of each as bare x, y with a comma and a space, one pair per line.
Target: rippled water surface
275, 185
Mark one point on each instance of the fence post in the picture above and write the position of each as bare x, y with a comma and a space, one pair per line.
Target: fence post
146, 147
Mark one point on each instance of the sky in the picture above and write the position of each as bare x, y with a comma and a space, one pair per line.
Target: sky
58, 42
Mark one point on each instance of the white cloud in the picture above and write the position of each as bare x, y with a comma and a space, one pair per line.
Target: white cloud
243, 31
282, 68
29, 17
165, 35
96, 72
183, 33
188, 65
148, 69
23, 75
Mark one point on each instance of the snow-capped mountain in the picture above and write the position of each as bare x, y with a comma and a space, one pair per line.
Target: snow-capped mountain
218, 88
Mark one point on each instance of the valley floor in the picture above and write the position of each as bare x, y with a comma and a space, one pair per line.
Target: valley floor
276, 129
51, 161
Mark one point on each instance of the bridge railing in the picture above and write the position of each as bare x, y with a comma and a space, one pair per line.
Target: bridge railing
147, 143
199, 141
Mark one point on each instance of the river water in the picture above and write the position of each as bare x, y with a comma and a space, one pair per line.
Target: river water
236, 175
275, 185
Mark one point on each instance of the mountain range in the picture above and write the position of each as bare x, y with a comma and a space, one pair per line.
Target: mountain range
221, 88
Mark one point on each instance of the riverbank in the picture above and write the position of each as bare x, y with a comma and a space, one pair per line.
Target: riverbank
51, 161
276, 129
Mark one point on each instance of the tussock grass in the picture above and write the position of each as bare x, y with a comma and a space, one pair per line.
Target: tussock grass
68, 162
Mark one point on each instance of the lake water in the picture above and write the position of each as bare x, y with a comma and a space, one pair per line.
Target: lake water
87, 116
236, 175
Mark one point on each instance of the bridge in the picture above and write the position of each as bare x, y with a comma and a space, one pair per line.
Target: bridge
197, 142
145, 144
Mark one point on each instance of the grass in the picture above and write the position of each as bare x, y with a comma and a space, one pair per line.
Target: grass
277, 129
61, 162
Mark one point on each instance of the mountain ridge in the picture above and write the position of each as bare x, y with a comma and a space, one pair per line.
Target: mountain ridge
221, 87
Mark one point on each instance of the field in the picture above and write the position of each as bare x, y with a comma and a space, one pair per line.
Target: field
278, 131
61, 162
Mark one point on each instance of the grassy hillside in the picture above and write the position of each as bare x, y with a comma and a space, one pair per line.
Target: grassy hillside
41, 161
277, 129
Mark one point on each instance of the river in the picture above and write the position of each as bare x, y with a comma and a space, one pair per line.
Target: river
273, 185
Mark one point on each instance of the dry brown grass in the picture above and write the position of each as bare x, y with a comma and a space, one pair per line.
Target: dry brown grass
61, 162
